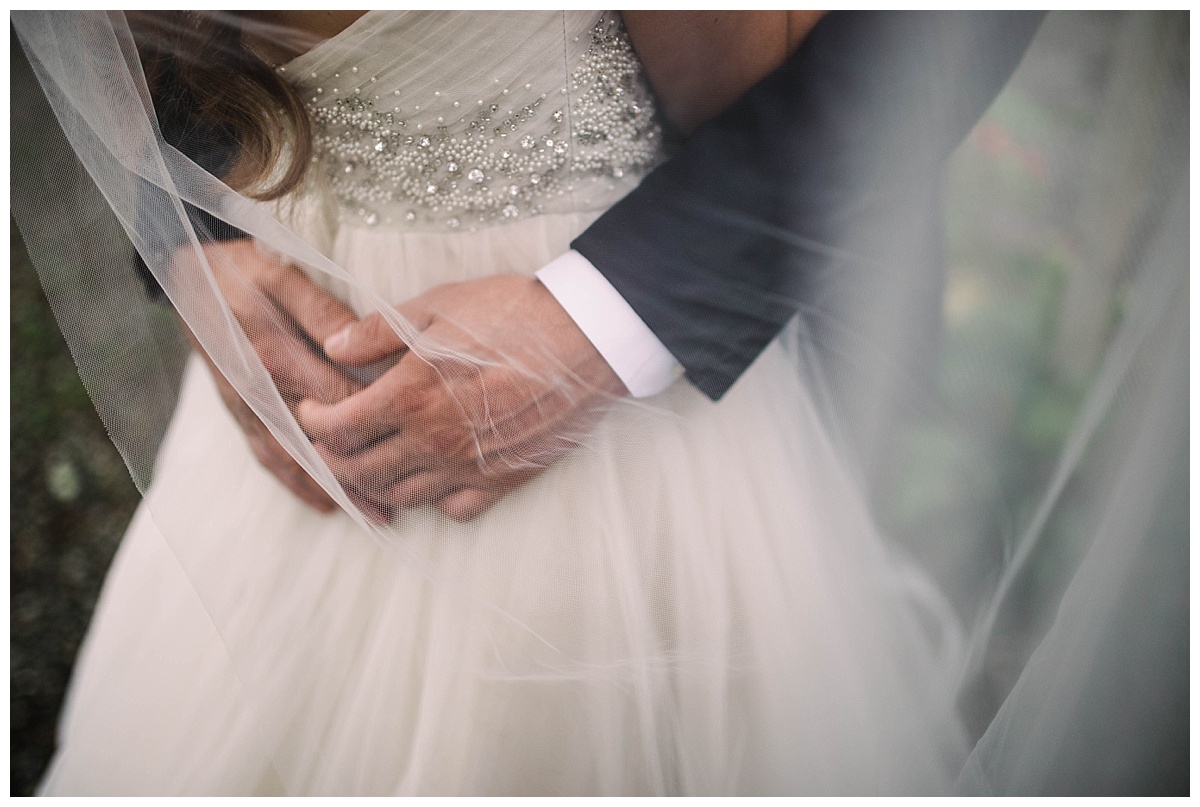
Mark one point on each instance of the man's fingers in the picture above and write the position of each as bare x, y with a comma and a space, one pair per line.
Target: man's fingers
370, 339
384, 407
434, 486
385, 475
377, 514
422, 488
373, 338
315, 310
299, 373
464, 505
353, 424
371, 471
296, 367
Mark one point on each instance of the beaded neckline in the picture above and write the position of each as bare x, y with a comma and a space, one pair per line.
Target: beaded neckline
502, 153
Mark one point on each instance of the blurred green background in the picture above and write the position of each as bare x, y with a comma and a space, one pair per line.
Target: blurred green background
1030, 265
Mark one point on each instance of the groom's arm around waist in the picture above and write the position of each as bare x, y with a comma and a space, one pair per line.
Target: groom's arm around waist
710, 251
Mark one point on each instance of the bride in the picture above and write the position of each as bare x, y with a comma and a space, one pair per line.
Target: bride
648, 595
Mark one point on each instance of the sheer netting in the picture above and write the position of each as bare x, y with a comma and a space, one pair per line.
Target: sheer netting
856, 569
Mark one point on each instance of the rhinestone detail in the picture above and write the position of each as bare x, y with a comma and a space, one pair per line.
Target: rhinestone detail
500, 160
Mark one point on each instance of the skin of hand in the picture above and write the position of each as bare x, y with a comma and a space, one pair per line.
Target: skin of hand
474, 428
266, 448
499, 385
285, 316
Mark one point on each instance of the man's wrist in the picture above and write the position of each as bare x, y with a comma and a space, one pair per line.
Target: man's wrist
631, 349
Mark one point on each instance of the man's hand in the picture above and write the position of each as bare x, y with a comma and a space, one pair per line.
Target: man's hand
285, 315
500, 384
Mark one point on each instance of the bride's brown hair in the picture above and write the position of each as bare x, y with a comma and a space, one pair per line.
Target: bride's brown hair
221, 104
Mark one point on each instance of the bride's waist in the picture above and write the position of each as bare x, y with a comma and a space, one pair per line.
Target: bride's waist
397, 263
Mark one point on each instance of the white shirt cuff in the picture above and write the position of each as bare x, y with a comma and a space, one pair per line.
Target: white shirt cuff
635, 354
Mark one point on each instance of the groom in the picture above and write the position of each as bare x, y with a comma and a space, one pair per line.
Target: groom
827, 170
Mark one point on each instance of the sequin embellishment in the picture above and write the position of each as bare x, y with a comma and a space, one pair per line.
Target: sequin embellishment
498, 160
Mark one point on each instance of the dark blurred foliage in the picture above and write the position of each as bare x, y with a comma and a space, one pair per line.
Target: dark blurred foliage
71, 498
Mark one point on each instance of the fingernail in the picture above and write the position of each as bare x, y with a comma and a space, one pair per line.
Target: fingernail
304, 409
338, 341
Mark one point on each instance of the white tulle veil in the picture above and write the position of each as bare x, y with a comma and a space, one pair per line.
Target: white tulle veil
1072, 593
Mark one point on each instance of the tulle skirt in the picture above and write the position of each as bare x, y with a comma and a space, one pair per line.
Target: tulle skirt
695, 601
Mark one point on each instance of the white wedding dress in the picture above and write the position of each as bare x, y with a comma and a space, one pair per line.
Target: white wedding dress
694, 602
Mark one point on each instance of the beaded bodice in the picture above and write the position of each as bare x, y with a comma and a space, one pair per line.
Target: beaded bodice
447, 120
